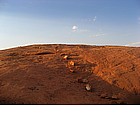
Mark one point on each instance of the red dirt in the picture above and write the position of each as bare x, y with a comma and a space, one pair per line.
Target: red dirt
39, 74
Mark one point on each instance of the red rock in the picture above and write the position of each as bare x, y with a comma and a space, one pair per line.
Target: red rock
38, 66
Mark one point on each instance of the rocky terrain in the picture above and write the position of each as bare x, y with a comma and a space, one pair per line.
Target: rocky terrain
70, 74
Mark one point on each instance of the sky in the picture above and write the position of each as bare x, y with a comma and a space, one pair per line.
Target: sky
95, 22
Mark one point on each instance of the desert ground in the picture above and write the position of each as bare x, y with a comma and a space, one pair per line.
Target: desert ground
70, 74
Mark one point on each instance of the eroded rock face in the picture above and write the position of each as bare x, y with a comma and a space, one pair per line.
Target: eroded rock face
39, 74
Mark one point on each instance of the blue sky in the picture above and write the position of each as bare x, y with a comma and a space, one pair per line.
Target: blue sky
114, 22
